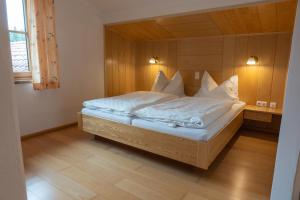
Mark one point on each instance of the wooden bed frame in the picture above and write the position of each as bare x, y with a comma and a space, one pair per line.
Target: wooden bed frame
197, 153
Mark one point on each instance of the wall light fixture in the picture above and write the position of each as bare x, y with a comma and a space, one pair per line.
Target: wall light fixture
252, 60
154, 60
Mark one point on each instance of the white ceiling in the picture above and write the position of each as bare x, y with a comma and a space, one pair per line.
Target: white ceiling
125, 10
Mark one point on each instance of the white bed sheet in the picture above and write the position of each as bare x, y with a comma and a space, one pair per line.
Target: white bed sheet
107, 116
126, 104
188, 112
191, 133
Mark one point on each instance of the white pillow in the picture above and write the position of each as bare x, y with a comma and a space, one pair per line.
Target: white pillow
233, 85
223, 91
207, 84
175, 86
161, 81
227, 90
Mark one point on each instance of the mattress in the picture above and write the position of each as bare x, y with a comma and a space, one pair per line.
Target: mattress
107, 116
192, 133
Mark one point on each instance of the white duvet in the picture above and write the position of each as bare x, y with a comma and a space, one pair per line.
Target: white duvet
126, 104
189, 112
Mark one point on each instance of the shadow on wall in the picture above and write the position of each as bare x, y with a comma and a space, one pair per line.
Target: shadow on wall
296, 195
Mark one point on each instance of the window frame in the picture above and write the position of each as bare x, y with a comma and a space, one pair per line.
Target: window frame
21, 77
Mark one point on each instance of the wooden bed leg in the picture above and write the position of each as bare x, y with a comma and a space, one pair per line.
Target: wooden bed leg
202, 156
79, 119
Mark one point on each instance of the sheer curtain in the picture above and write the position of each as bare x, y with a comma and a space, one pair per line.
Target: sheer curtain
43, 46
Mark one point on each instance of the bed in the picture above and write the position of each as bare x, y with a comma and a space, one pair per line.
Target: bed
172, 126
197, 147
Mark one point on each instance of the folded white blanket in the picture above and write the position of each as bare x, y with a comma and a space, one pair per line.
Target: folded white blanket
190, 112
126, 104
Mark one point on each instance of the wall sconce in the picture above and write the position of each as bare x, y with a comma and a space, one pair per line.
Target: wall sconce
252, 60
154, 60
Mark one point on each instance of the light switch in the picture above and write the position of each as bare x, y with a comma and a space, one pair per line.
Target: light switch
197, 75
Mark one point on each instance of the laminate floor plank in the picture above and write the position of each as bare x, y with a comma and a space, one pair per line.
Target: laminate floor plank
46, 191
70, 165
103, 189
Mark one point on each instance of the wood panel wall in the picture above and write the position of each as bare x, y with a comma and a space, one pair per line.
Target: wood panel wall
119, 64
221, 57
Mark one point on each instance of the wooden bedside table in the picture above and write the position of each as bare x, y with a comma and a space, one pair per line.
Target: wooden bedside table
262, 118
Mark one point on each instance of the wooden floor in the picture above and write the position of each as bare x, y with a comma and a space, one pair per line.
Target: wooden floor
69, 164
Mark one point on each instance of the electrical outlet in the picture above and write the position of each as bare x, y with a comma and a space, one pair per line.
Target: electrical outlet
264, 104
261, 103
273, 104
197, 75
258, 103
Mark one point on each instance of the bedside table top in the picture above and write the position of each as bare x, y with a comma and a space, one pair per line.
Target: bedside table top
275, 111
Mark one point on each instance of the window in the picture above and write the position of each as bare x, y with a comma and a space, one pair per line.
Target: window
18, 36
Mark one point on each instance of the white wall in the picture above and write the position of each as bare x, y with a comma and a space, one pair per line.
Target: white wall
297, 182
289, 140
139, 9
12, 184
79, 37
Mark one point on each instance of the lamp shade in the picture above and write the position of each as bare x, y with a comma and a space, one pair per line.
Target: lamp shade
153, 60
252, 60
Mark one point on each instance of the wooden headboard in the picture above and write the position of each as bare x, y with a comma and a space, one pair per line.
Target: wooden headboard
127, 67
